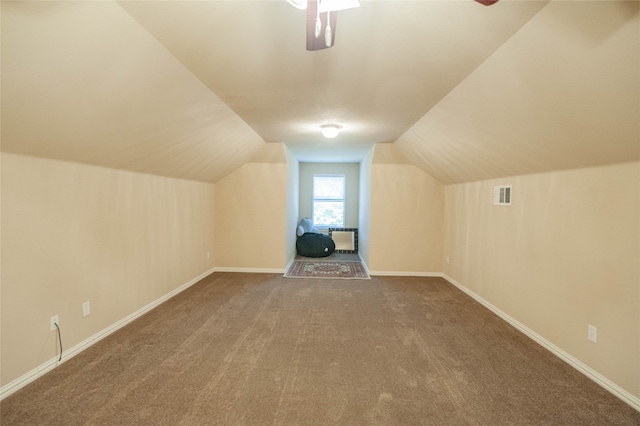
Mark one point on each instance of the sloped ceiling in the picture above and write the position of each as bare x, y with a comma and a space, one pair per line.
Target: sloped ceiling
562, 93
82, 81
392, 62
195, 89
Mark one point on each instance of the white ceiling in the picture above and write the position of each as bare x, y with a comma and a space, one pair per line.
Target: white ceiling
195, 89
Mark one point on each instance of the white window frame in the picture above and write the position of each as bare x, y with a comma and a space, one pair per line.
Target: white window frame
342, 200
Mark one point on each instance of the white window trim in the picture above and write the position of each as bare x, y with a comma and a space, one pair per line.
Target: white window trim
342, 200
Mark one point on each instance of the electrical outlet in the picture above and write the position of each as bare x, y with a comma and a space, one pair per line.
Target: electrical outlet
447, 259
208, 255
592, 333
54, 320
86, 309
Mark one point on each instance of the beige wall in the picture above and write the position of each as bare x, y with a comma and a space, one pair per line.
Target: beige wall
564, 256
364, 219
293, 203
251, 218
74, 233
406, 220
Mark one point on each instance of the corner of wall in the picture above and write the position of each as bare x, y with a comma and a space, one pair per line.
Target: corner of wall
364, 219
293, 204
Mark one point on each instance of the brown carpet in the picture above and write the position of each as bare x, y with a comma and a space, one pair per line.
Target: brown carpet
262, 349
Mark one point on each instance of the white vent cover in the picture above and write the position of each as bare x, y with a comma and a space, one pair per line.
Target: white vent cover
502, 195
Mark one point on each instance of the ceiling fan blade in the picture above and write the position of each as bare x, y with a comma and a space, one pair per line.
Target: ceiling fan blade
487, 2
319, 43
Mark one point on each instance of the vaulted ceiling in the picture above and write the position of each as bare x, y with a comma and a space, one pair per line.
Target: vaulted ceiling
195, 89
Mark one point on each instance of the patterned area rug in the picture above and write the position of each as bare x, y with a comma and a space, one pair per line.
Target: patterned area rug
320, 269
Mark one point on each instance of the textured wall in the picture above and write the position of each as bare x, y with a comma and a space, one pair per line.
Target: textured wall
406, 220
251, 217
73, 233
364, 219
293, 203
563, 256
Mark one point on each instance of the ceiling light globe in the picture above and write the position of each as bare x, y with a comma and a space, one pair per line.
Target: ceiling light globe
330, 130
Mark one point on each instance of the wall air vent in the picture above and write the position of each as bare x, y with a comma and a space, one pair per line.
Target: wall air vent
502, 195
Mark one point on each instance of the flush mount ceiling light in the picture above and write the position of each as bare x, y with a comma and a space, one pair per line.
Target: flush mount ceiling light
330, 130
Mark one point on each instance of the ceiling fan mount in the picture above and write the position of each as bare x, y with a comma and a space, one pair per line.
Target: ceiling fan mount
322, 18
321, 26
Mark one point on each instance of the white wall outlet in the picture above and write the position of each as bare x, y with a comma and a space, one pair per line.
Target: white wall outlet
54, 320
86, 309
592, 333
208, 255
447, 259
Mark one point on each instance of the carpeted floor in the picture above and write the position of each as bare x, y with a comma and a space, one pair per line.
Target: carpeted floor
261, 349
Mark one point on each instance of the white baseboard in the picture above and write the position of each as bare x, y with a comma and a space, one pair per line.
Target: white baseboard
32, 375
49, 365
366, 267
250, 270
286, 268
607, 384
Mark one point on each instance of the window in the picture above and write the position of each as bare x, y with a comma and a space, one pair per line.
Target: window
328, 200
